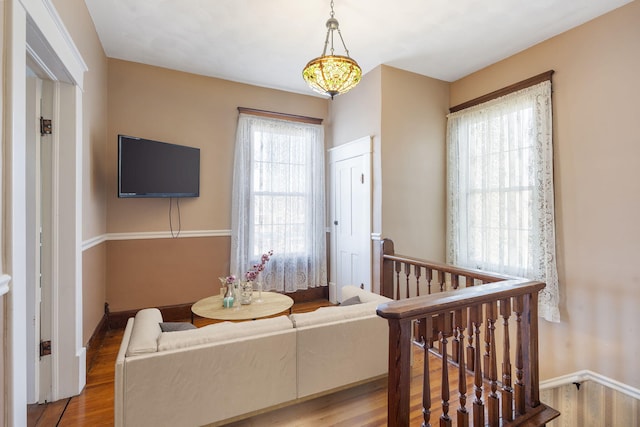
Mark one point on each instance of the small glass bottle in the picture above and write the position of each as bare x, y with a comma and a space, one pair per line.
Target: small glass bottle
229, 297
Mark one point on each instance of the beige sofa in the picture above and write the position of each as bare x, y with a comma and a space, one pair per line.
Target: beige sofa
231, 370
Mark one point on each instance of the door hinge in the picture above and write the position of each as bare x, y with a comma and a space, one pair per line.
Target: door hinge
45, 126
45, 348
362, 178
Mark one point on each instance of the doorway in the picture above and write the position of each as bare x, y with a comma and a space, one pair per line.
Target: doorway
350, 198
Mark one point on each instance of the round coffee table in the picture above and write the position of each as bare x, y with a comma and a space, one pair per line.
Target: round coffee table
272, 303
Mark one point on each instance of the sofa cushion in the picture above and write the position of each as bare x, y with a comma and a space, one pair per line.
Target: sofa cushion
334, 314
145, 332
349, 291
224, 331
351, 301
176, 326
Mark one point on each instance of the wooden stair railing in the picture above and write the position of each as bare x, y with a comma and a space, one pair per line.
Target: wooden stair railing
445, 317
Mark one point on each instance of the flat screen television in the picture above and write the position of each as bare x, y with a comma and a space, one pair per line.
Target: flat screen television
149, 168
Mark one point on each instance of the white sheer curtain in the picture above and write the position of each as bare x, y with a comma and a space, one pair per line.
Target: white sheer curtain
278, 202
500, 190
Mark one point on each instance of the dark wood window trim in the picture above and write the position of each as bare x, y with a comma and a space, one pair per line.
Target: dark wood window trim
504, 91
282, 116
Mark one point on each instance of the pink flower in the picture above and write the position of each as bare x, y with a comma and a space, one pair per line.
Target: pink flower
253, 273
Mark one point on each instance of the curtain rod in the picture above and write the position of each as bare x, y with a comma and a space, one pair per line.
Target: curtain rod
504, 91
283, 116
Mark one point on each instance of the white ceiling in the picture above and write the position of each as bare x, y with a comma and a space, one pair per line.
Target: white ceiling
268, 42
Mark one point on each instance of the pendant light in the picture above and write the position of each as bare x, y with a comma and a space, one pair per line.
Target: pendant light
332, 74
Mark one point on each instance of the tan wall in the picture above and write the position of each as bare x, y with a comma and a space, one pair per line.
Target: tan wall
187, 109
405, 113
94, 276
94, 109
356, 114
161, 272
597, 183
76, 18
414, 109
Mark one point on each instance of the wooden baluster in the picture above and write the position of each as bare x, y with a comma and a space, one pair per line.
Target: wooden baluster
445, 321
478, 405
456, 340
407, 274
428, 277
398, 266
463, 414
460, 320
492, 402
426, 382
487, 350
441, 280
519, 392
386, 268
471, 358
530, 338
507, 391
417, 271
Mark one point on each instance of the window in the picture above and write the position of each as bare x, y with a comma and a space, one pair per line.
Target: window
278, 202
500, 189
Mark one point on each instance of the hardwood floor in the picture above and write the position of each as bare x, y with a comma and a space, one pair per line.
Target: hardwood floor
364, 405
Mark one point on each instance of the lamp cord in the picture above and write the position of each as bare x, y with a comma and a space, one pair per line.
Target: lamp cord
179, 218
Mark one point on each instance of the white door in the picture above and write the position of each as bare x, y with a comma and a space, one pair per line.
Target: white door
38, 208
351, 196
46, 244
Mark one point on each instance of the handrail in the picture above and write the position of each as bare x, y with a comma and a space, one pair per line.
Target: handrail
420, 307
462, 304
447, 268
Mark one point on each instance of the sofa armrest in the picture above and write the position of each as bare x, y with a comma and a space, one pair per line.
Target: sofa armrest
211, 382
118, 398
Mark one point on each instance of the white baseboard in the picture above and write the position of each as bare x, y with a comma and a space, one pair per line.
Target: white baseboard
587, 375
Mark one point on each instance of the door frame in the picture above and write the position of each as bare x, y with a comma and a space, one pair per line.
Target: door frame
33, 31
361, 147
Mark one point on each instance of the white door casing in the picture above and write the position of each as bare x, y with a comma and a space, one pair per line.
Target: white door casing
34, 33
350, 197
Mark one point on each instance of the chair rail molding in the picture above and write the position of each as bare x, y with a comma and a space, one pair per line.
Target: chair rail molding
94, 241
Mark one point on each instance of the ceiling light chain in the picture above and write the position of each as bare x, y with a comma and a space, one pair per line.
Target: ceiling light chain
332, 74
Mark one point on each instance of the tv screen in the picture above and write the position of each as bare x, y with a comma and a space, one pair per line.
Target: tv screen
149, 168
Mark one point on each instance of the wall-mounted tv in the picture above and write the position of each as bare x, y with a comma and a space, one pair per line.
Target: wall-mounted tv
149, 168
